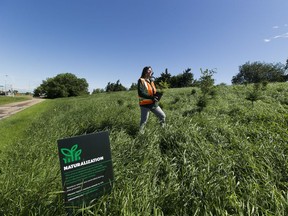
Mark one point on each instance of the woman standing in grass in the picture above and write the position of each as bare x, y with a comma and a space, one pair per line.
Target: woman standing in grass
148, 98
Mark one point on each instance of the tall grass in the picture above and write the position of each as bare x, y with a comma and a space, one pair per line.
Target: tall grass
14, 128
8, 99
229, 159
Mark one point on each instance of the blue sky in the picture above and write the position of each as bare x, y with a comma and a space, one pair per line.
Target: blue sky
108, 40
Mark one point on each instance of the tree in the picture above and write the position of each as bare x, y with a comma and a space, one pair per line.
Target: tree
115, 87
133, 87
206, 84
254, 95
163, 85
164, 77
39, 91
182, 80
97, 90
63, 85
206, 81
259, 72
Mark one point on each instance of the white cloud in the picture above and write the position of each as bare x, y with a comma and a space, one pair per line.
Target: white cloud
285, 35
281, 36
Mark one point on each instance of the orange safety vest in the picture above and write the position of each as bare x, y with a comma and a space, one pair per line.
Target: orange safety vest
150, 90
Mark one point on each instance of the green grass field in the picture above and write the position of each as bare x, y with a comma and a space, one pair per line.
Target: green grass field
6, 99
14, 128
229, 159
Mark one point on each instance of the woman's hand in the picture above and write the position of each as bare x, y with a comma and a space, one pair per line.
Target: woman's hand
156, 98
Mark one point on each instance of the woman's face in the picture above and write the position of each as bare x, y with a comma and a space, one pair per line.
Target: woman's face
149, 73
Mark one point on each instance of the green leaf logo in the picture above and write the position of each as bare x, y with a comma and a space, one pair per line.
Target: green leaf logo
71, 155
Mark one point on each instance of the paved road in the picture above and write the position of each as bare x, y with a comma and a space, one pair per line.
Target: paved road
7, 110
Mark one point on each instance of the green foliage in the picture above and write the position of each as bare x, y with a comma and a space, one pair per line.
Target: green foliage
193, 91
98, 90
184, 79
202, 102
257, 92
113, 87
264, 85
164, 77
259, 72
62, 85
227, 160
253, 96
206, 84
39, 91
133, 87
206, 81
163, 85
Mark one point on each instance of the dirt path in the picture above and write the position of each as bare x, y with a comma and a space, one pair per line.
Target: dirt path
7, 110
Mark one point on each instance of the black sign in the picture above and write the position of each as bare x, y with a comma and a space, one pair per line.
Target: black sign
86, 167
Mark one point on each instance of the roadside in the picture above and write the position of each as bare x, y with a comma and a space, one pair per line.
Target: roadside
7, 110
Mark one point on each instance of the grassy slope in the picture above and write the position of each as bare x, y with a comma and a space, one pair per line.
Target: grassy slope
14, 128
229, 159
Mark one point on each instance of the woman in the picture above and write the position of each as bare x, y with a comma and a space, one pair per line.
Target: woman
148, 98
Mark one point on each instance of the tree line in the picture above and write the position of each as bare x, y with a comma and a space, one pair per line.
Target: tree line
68, 85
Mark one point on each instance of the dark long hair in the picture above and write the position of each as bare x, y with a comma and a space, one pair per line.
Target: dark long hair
144, 71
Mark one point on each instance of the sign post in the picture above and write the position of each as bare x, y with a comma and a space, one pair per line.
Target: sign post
86, 167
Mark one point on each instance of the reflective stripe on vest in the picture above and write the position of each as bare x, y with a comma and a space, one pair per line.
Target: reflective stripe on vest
149, 87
